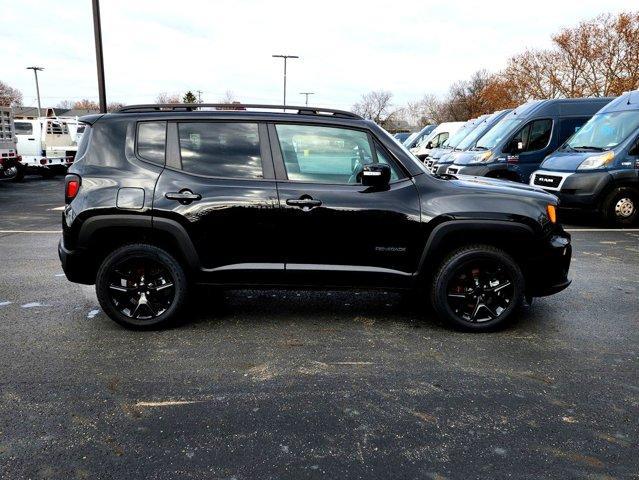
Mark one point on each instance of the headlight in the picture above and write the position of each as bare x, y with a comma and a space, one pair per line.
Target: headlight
597, 161
482, 157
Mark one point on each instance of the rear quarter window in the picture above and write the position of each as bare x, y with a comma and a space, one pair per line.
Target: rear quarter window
151, 141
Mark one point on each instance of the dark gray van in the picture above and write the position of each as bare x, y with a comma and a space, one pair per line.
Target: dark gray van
598, 168
483, 124
516, 146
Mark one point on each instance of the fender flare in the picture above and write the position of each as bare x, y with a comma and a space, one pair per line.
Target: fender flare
439, 234
175, 231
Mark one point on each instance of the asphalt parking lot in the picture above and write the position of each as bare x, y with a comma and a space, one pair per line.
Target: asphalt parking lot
295, 384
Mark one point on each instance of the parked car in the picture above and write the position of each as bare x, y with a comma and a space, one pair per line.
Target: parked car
597, 169
451, 143
10, 167
45, 145
402, 136
483, 124
515, 146
436, 139
160, 199
416, 138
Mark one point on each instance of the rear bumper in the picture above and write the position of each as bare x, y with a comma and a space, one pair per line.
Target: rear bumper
76, 265
547, 272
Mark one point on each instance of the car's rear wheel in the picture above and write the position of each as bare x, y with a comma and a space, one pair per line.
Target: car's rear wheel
141, 286
621, 206
478, 288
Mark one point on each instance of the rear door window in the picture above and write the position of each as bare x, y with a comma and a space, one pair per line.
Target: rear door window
217, 149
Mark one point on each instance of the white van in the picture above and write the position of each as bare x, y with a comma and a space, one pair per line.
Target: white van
436, 138
45, 144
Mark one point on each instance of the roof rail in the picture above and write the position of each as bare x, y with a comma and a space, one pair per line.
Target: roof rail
189, 107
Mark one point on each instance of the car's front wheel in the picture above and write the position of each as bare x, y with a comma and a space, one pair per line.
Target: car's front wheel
477, 288
141, 286
621, 206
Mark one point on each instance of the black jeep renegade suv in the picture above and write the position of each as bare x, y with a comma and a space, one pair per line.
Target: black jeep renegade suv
164, 196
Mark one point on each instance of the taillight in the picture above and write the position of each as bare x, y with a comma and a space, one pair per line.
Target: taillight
71, 187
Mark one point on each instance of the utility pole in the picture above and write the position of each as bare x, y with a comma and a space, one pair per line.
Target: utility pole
97, 32
285, 57
307, 94
35, 71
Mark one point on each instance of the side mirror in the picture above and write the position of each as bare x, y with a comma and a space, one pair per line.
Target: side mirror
376, 175
429, 145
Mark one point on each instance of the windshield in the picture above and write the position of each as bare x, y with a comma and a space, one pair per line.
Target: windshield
497, 133
458, 136
605, 131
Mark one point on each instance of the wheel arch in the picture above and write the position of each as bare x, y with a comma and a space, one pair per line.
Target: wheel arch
101, 234
515, 238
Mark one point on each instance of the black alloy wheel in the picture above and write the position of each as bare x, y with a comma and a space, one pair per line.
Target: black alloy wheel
141, 286
480, 291
477, 288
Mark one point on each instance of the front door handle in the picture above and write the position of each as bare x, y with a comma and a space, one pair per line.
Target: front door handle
305, 203
183, 196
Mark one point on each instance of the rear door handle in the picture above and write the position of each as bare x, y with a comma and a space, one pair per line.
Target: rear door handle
303, 202
183, 196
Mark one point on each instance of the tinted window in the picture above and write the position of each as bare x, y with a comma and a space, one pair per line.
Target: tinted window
229, 150
84, 142
325, 154
151, 141
534, 136
24, 128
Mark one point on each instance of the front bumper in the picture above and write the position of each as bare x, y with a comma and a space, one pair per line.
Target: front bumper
547, 272
575, 190
76, 265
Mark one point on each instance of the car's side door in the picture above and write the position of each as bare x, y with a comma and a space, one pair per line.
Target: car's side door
334, 230
218, 186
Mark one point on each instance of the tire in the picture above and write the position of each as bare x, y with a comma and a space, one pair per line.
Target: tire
621, 206
134, 301
491, 304
20, 174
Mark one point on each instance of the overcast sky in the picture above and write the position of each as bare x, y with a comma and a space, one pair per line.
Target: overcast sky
410, 47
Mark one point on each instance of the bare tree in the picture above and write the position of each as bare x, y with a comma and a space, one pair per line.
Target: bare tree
65, 104
86, 104
9, 96
229, 97
112, 106
376, 106
164, 97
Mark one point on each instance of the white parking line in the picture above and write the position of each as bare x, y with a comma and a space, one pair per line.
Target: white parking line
58, 208
32, 231
602, 229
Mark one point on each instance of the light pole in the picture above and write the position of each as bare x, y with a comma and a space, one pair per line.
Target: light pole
35, 71
97, 32
307, 94
285, 57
